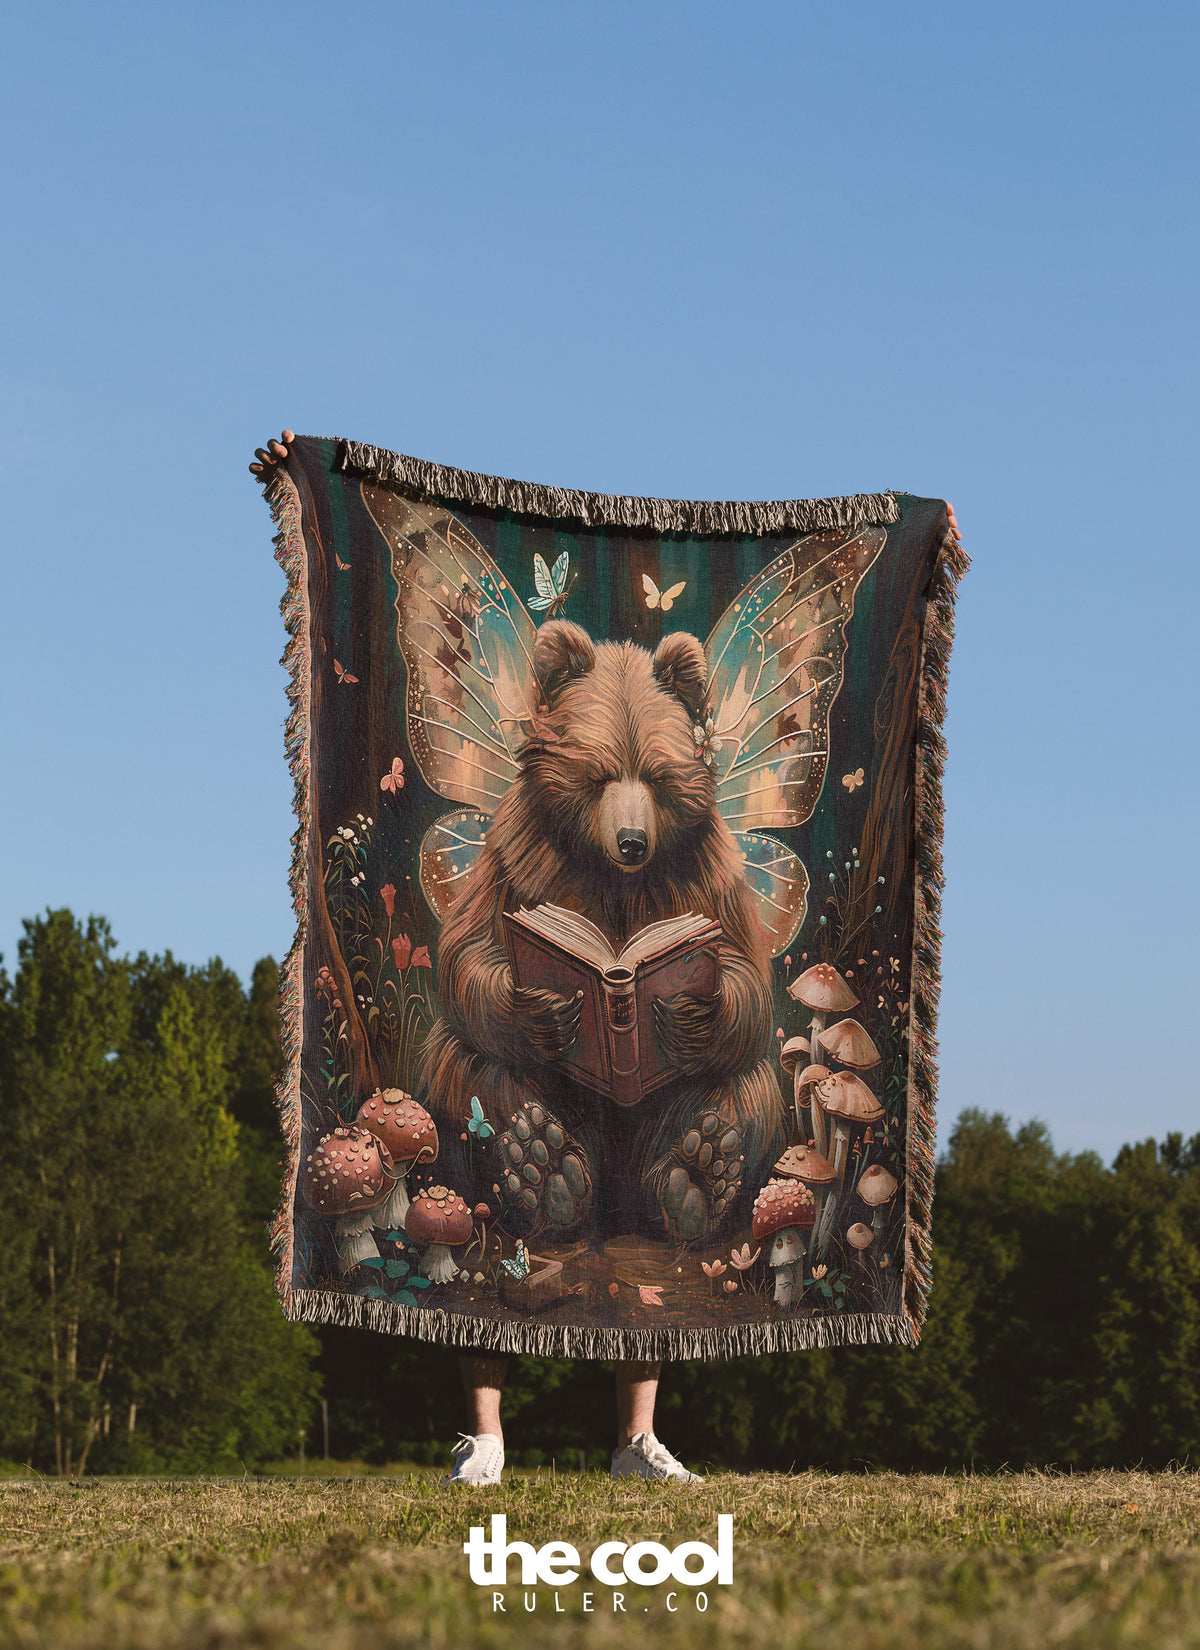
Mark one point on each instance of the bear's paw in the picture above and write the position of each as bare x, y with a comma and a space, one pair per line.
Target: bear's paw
700, 1176
545, 1176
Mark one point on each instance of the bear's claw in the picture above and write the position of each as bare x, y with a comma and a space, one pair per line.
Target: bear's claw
704, 1172
544, 1173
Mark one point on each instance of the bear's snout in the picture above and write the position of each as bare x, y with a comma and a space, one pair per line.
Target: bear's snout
627, 824
632, 845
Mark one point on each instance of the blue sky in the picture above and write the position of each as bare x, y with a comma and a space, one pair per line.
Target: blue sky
684, 249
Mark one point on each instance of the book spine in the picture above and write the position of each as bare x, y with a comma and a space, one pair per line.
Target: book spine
621, 1034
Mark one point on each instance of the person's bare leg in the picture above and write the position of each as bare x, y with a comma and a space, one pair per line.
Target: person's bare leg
483, 1382
637, 1388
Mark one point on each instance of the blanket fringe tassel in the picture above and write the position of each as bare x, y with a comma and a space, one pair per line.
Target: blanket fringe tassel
547, 1340
418, 477
929, 769
290, 553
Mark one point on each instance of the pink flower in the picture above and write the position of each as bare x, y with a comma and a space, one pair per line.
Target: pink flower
421, 957
648, 1296
388, 895
820, 1271
742, 1258
730, 1286
713, 1269
401, 951
393, 780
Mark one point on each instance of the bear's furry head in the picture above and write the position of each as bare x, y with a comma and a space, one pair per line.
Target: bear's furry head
612, 767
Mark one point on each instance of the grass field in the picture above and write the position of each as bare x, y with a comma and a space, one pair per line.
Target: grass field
861, 1563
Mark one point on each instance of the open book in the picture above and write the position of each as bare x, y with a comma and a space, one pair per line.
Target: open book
616, 1053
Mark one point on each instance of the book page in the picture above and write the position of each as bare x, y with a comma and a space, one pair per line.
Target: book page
575, 934
661, 936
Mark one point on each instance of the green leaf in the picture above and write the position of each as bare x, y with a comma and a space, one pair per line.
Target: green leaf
397, 1268
418, 1282
372, 1260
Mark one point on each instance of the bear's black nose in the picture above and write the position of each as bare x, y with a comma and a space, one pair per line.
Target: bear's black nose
632, 845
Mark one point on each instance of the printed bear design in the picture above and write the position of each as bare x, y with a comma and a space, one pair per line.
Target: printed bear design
701, 1176
610, 760
545, 1175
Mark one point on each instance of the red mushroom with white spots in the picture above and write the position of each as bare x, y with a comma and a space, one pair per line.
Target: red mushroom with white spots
347, 1175
410, 1135
783, 1212
440, 1218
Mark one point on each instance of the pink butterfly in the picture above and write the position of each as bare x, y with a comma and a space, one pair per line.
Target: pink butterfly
648, 1296
343, 675
393, 781
853, 780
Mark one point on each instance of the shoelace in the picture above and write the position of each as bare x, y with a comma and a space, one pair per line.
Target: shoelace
658, 1455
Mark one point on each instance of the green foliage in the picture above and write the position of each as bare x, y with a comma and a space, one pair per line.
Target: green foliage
139, 1158
1064, 1329
141, 1328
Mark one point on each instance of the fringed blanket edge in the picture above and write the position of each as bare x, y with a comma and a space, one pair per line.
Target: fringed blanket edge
929, 768
419, 478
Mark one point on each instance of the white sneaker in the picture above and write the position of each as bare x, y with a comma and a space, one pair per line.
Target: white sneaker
477, 1460
644, 1457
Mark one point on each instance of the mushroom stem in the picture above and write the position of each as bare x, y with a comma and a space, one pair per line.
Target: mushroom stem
354, 1238
877, 1221
841, 1142
786, 1280
390, 1214
820, 1138
796, 1098
826, 1227
438, 1265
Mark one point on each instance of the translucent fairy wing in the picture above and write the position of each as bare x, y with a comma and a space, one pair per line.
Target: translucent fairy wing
558, 575
779, 884
449, 848
468, 644
775, 664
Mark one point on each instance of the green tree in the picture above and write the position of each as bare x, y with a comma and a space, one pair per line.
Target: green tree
148, 1331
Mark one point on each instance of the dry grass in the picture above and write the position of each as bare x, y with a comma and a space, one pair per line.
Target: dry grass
1105, 1559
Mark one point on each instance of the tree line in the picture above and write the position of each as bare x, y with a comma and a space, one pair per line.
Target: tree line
139, 1331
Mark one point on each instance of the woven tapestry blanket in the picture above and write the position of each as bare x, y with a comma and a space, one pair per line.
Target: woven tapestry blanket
609, 1020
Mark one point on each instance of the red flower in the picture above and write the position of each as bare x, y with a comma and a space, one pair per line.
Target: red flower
388, 895
401, 951
421, 957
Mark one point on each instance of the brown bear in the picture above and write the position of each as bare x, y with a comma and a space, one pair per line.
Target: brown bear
614, 815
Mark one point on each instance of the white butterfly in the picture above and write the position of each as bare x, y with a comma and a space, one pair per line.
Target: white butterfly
662, 599
552, 586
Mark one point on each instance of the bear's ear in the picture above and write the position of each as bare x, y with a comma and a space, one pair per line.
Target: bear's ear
561, 650
681, 668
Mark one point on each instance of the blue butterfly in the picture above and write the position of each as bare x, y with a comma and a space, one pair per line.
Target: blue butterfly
518, 1268
552, 586
477, 1123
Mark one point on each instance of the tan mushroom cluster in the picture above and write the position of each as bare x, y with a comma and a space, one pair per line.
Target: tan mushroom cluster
827, 1084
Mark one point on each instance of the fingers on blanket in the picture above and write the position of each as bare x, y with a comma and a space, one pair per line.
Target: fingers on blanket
272, 454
